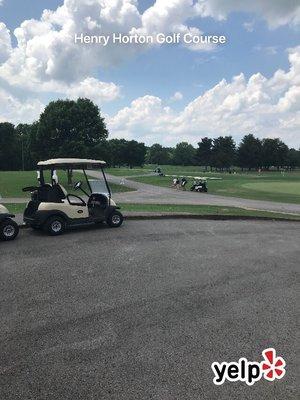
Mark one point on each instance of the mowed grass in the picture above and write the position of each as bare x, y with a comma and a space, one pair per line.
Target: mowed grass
205, 210
270, 186
202, 210
12, 182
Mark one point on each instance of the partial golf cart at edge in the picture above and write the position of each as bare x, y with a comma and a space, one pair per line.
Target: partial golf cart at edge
54, 210
9, 229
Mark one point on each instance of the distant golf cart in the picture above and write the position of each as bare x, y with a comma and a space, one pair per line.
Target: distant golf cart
9, 229
54, 210
199, 185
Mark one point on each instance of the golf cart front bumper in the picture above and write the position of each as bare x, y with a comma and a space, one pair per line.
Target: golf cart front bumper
6, 216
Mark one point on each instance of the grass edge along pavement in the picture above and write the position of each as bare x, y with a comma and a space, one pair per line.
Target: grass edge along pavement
188, 210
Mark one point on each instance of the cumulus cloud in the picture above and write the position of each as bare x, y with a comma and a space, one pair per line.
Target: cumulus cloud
18, 111
177, 96
275, 12
93, 89
46, 59
5, 43
265, 107
46, 54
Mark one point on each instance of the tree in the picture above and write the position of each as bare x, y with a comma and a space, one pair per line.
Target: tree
9, 152
158, 154
249, 153
26, 136
223, 152
274, 153
281, 154
102, 151
117, 152
204, 153
184, 154
293, 158
68, 127
135, 153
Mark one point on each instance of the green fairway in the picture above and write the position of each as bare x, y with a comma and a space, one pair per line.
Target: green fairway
196, 210
271, 186
12, 182
289, 188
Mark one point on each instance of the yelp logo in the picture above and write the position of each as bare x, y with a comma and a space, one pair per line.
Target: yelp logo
271, 368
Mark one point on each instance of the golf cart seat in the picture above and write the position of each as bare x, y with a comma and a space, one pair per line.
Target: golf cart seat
50, 194
98, 200
57, 194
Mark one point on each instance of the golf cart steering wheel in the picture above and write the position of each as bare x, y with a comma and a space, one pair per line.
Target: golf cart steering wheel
78, 185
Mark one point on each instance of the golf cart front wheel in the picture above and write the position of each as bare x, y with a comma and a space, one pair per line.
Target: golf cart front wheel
8, 230
115, 219
55, 226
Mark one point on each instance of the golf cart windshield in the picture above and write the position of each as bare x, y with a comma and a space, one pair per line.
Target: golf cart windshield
98, 186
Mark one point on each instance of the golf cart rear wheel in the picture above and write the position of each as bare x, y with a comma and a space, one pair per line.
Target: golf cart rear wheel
115, 219
8, 230
55, 226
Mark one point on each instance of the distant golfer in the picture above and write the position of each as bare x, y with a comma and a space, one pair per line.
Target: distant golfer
183, 183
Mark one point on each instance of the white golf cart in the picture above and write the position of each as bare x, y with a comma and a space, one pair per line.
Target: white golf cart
54, 210
8, 228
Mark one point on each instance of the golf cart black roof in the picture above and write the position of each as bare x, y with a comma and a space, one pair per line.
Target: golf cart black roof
72, 163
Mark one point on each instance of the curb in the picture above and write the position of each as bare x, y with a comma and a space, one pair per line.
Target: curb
211, 217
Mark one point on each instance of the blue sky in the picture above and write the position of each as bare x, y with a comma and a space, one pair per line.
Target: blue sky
256, 43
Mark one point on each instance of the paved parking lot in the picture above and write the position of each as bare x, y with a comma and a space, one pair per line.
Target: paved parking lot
142, 311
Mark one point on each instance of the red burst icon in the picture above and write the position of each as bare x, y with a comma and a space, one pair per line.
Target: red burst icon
273, 367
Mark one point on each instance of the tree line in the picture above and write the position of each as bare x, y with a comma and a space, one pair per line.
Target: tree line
70, 128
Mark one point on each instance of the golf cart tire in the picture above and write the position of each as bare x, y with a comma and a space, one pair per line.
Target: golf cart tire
55, 225
115, 219
9, 230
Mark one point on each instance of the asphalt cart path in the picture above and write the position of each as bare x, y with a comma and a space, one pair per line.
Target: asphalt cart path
141, 312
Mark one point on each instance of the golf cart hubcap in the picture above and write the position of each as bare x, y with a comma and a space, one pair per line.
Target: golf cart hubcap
115, 219
9, 231
56, 226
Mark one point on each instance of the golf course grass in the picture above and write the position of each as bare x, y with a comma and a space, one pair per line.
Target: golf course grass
190, 209
12, 182
270, 186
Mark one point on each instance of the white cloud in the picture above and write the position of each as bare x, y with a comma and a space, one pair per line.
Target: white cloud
265, 107
275, 12
177, 96
47, 56
47, 59
5, 43
249, 26
18, 111
93, 89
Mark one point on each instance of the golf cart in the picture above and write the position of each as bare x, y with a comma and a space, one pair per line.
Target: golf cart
8, 228
199, 185
51, 207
